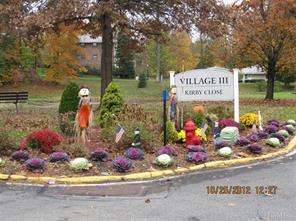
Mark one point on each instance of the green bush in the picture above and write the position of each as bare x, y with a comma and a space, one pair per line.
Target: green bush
68, 108
171, 133
112, 103
261, 86
198, 119
7, 144
69, 101
142, 80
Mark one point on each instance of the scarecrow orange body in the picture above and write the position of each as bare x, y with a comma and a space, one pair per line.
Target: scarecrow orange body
84, 112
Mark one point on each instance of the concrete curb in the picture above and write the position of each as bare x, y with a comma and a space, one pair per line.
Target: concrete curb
146, 175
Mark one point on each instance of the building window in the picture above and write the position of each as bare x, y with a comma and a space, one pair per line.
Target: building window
94, 44
95, 57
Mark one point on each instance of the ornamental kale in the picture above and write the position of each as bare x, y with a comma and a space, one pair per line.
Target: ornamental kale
195, 148
134, 153
163, 160
255, 148
221, 143
253, 137
262, 135
271, 129
35, 165
99, 155
121, 164
20, 155
274, 123
290, 130
167, 150
2, 162
278, 136
59, 156
80, 164
243, 141
196, 157
228, 123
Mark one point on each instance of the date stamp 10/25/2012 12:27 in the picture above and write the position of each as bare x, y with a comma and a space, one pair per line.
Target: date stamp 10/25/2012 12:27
242, 190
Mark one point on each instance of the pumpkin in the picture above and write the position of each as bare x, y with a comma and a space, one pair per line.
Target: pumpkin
199, 108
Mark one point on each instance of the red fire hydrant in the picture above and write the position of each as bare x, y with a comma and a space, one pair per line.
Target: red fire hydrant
191, 138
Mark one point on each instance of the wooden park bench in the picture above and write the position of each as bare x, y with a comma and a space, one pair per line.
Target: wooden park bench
14, 97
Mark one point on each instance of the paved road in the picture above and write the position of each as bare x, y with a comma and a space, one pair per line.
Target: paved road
178, 199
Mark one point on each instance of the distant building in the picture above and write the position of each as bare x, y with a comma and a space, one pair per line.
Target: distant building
93, 51
254, 73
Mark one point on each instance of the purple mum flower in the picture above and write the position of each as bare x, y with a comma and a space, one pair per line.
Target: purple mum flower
278, 136
20, 155
221, 143
196, 157
271, 129
99, 155
255, 148
58, 156
196, 148
262, 135
35, 165
253, 137
121, 164
167, 150
134, 153
243, 141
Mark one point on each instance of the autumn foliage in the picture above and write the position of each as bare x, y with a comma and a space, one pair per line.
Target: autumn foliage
61, 54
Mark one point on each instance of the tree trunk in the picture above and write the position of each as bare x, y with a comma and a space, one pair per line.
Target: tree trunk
270, 80
107, 52
158, 77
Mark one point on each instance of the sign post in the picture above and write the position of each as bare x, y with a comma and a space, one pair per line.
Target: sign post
164, 98
236, 94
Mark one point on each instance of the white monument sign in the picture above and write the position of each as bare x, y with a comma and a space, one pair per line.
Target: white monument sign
211, 84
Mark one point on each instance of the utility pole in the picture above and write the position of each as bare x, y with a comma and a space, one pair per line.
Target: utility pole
158, 78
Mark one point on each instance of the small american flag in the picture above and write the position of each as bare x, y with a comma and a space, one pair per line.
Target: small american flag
203, 129
119, 133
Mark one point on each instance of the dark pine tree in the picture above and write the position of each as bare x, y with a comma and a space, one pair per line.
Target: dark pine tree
124, 57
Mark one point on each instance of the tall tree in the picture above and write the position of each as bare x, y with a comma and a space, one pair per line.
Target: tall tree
139, 18
264, 36
124, 56
61, 56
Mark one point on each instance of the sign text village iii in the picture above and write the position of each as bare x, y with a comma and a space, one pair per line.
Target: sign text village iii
211, 84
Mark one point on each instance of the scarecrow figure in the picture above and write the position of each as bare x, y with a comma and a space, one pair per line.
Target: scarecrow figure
137, 139
173, 104
84, 115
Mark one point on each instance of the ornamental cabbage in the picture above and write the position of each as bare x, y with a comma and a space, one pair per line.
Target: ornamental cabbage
35, 165
195, 148
274, 123
80, 164
255, 148
273, 141
164, 160
20, 155
99, 155
221, 143
225, 152
167, 150
284, 133
278, 136
2, 162
59, 156
253, 137
243, 141
134, 153
289, 129
271, 129
196, 157
292, 122
121, 164
262, 135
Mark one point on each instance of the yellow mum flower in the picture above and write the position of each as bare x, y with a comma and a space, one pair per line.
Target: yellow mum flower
197, 133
